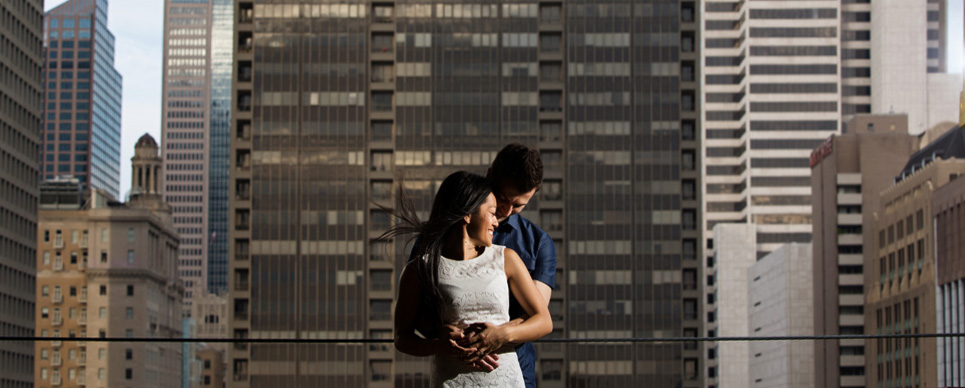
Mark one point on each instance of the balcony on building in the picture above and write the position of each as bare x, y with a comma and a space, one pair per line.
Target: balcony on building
383, 43
245, 42
550, 43
243, 159
241, 309
243, 189
243, 129
244, 71
241, 280
383, 13
246, 13
550, 15
244, 100
241, 249
551, 101
242, 219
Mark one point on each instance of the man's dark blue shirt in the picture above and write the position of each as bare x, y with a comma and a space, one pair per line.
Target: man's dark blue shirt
538, 252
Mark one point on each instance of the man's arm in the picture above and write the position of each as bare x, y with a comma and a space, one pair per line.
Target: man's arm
544, 273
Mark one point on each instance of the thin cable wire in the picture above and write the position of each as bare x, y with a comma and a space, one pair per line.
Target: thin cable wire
545, 340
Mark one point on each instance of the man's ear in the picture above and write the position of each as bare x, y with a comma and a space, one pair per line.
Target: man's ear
467, 218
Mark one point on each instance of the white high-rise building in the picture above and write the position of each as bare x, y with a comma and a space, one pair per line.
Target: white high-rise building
735, 254
771, 94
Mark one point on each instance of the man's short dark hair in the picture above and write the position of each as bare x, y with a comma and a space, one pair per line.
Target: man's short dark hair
519, 165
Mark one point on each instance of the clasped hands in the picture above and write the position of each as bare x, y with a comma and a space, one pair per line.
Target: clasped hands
475, 344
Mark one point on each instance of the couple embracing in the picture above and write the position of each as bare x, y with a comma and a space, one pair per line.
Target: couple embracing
475, 291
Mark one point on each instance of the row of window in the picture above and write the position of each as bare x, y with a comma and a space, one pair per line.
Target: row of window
69, 34
68, 23
906, 226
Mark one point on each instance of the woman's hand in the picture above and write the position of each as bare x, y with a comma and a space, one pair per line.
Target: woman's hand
457, 334
486, 338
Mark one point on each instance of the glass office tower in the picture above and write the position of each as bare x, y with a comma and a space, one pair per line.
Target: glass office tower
82, 119
195, 126
334, 102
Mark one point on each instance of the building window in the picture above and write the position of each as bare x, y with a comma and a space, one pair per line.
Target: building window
129, 313
128, 354
130, 290
130, 256
130, 234
128, 374
381, 310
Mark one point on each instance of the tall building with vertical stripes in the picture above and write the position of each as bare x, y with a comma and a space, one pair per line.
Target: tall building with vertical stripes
332, 101
194, 126
21, 110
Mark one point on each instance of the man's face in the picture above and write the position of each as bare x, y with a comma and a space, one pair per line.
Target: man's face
509, 200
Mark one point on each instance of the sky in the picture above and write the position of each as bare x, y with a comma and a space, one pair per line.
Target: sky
138, 27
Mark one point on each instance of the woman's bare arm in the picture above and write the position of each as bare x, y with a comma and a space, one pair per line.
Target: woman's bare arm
407, 316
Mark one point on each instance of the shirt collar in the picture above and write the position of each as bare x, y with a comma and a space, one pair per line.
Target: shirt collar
512, 222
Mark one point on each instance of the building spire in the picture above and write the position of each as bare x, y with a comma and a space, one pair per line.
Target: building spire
146, 178
145, 168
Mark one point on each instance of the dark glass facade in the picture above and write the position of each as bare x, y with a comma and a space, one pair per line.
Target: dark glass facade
82, 115
222, 23
343, 96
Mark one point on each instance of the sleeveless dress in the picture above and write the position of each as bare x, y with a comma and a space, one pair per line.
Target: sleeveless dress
476, 290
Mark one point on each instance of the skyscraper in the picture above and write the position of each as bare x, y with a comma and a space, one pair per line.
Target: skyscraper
848, 172
82, 119
331, 100
771, 95
194, 126
21, 107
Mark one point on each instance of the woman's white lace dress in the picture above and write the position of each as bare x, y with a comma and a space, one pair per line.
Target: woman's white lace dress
476, 290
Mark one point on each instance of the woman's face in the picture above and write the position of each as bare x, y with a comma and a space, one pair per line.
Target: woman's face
483, 223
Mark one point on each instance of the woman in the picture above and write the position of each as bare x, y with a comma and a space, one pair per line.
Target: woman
457, 276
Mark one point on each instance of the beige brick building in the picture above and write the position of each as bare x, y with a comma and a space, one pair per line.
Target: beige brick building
900, 280
108, 269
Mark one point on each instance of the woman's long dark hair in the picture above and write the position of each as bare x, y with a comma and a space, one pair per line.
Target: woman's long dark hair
461, 194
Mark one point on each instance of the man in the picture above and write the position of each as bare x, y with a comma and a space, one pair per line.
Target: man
516, 175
